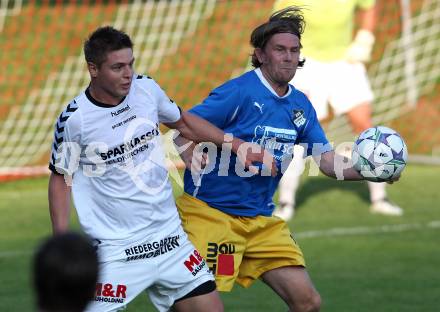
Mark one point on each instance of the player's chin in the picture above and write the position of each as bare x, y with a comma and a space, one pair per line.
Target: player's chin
123, 91
287, 75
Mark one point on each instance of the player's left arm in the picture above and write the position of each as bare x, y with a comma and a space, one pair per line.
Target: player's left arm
337, 166
197, 129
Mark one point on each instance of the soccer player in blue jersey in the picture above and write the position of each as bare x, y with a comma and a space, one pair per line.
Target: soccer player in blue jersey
226, 210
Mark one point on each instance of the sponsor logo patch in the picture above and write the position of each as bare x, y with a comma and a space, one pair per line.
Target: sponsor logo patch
152, 249
220, 258
195, 263
278, 140
106, 292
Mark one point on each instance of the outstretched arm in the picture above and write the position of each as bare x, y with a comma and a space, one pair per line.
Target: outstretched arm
338, 167
59, 203
196, 129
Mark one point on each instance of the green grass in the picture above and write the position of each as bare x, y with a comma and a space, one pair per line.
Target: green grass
374, 271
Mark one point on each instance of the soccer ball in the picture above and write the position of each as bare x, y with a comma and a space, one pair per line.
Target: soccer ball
379, 154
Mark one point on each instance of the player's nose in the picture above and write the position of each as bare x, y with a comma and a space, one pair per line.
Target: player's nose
288, 56
128, 71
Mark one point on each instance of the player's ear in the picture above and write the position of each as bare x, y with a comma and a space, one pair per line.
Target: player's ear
93, 69
261, 56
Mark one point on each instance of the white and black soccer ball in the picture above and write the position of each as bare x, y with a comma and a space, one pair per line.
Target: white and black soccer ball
379, 154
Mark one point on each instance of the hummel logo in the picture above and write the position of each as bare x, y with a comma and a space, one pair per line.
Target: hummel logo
259, 106
119, 111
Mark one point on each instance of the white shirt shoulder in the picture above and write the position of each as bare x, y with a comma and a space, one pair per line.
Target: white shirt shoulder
167, 110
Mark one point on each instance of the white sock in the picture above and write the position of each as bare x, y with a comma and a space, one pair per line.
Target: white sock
377, 191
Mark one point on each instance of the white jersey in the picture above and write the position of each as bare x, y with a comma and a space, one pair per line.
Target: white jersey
120, 181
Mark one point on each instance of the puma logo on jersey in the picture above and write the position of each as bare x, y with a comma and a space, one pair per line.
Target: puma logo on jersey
259, 106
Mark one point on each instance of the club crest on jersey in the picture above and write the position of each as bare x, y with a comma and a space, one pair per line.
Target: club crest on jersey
298, 117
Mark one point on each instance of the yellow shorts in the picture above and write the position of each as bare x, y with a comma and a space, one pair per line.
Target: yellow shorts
238, 248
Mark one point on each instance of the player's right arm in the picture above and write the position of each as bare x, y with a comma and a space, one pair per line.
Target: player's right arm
59, 203
65, 153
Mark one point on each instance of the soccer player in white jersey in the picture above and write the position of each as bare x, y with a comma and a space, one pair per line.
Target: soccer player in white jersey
107, 151
335, 75
226, 211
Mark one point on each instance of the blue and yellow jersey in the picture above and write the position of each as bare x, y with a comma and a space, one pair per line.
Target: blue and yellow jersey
247, 107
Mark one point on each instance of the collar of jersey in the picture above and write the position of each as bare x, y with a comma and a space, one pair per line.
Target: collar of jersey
100, 104
268, 86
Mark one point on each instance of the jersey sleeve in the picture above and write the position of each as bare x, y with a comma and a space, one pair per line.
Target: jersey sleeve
168, 111
312, 136
66, 150
221, 105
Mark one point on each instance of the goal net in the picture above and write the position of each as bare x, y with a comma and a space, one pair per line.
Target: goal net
405, 77
189, 47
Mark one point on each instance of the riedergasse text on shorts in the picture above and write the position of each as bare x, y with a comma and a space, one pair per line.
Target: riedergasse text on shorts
152, 249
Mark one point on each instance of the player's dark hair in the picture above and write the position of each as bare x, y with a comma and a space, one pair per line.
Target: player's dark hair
104, 40
289, 20
65, 273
